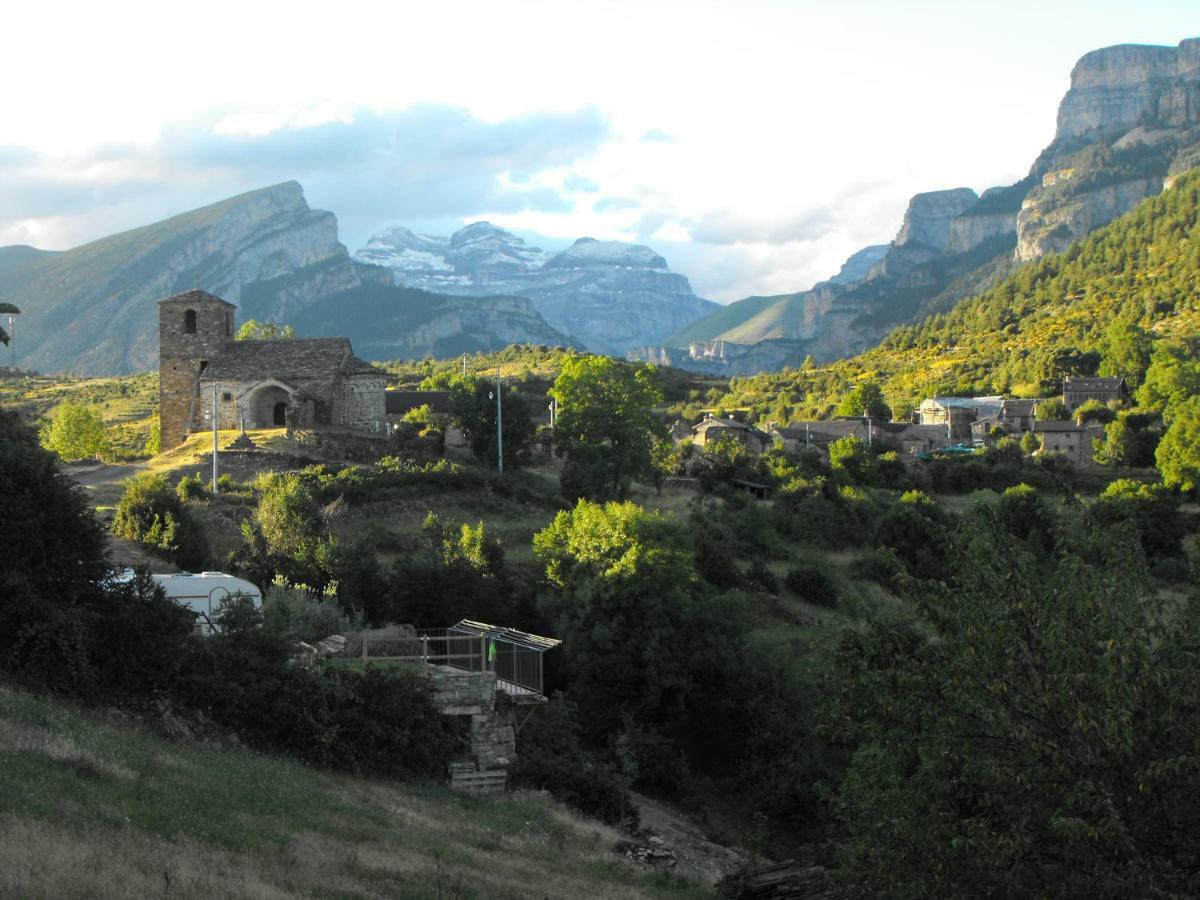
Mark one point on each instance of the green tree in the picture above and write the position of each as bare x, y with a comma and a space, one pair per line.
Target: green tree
644, 637
5, 309
1129, 441
254, 330
1125, 350
1178, 453
605, 425
865, 399
1041, 741
852, 456
1053, 409
76, 431
1094, 411
1173, 376
473, 401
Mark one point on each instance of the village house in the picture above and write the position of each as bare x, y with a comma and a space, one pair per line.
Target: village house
1014, 417
713, 429
956, 414
1068, 439
1077, 391
316, 382
900, 436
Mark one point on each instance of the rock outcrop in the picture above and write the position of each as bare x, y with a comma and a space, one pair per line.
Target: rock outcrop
1130, 119
1118, 88
928, 217
609, 296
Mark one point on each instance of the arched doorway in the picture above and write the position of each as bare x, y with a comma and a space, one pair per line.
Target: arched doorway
266, 405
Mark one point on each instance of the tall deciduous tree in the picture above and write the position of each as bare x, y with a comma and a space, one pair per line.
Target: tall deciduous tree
1173, 376
254, 330
643, 638
1178, 453
605, 424
76, 431
865, 400
473, 401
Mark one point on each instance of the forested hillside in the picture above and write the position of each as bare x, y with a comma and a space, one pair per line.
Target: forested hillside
1098, 307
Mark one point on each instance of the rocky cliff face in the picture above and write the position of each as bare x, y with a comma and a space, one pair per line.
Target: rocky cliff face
607, 295
928, 217
1117, 88
1130, 118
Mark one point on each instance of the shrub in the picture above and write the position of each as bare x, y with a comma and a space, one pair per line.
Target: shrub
297, 615
811, 584
192, 487
553, 759
152, 513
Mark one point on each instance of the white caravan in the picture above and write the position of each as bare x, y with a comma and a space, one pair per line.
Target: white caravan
203, 592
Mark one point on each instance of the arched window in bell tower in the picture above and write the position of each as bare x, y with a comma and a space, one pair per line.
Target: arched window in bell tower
189, 322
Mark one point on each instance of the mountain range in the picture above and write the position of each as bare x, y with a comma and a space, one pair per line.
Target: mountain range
609, 296
90, 310
1128, 124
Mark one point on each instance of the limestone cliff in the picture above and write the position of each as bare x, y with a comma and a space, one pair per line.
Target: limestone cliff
1129, 120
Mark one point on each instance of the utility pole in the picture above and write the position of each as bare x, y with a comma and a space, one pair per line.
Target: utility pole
12, 341
499, 427
215, 415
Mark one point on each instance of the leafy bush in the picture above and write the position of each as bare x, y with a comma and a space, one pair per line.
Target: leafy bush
151, 512
192, 487
553, 759
810, 583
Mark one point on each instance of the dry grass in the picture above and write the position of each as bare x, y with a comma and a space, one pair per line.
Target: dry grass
94, 808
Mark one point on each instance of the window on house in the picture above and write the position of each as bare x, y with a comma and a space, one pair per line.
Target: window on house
203, 365
226, 396
189, 322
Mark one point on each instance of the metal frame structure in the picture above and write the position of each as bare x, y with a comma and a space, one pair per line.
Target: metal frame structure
470, 646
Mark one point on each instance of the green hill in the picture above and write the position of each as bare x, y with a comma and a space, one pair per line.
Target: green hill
1049, 319
94, 806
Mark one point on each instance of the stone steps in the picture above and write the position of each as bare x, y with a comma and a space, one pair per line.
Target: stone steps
492, 781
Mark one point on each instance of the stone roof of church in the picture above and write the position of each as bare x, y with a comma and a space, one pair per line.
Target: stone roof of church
196, 296
308, 359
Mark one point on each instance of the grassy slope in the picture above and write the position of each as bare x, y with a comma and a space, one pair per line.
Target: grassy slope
718, 323
90, 807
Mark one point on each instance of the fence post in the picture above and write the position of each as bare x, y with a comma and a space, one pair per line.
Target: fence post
425, 650
364, 650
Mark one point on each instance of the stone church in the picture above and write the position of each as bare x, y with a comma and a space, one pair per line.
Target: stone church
258, 384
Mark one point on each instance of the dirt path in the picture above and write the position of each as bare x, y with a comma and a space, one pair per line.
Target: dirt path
104, 483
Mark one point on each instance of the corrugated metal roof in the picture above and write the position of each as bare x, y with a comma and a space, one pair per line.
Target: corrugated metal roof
501, 633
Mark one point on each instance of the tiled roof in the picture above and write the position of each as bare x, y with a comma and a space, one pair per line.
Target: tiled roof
725, 423
307, 359
1093, 384
196, 297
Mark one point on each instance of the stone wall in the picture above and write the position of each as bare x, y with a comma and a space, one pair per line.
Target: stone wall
363, 403
493, 733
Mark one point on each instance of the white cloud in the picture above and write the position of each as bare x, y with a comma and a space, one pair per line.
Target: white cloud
760, 143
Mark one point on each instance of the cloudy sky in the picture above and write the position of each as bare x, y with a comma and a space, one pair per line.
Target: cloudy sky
754, 144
